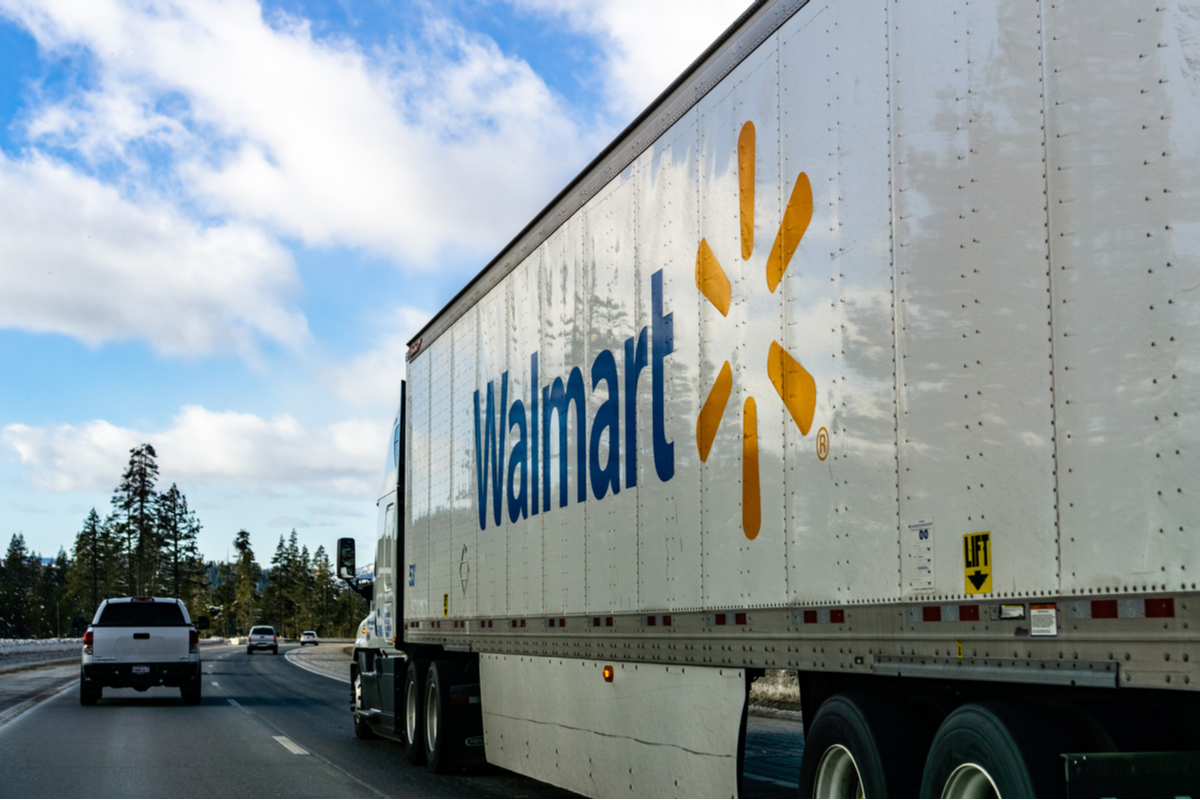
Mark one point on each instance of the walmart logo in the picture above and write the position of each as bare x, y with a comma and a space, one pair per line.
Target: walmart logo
515, 486
795, 386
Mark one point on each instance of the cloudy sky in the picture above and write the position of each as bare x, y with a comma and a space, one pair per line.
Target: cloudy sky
220, 221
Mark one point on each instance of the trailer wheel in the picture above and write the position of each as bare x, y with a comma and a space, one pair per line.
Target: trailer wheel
862, 744
414, 711
440, 736
998, 749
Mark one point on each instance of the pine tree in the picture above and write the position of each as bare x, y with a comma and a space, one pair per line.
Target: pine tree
15, 590
181, 570
324, 592
89, 557
246, 582
134, 507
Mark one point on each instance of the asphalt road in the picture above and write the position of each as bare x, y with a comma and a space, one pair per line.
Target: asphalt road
265, 728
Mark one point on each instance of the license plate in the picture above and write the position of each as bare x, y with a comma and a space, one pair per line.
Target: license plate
141, 670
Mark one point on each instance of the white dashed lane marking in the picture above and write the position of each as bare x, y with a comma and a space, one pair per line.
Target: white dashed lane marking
290, 745
233, 702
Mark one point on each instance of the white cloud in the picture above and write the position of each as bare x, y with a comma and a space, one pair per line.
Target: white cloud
438, 141
373, 377
648, 44
78, 259
209, 448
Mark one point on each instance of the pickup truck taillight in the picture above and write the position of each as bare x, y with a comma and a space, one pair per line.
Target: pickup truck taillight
87, 640
193, 639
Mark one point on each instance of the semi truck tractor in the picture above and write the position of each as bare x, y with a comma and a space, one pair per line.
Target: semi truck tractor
870, 350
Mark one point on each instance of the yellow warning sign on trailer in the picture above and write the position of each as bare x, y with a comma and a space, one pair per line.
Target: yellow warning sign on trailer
977, 562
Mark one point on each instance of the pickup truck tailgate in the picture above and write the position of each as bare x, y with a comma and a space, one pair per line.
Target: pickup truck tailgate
150, 644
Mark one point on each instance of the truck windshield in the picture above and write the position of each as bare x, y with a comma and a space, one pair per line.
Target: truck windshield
142, 614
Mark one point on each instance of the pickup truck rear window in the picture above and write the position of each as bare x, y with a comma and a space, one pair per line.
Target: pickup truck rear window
262, 632
142, 614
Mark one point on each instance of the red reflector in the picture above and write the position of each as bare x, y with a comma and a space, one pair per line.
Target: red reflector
512, 623
968, 613
1104, 609
193, 639
608, 622
459, 700
719, 619
522, 623
931, 613
666, 619
562, 623
651, 621
837, 615
1160, 606
739, 619
595, 622
810, 616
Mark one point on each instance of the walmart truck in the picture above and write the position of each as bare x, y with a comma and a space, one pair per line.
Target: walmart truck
870, 350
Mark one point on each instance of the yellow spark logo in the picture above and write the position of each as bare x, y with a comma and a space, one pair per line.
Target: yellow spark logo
794, 384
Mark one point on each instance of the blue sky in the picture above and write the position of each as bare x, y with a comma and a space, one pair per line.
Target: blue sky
220, 221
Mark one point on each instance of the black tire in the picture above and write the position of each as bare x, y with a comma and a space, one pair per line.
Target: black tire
192, 694
440, 737
414, 711
862, 743
1016, 746
249, 651
362, 729
89, 692
274, 651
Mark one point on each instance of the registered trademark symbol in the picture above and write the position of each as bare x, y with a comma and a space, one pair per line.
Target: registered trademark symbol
822, 444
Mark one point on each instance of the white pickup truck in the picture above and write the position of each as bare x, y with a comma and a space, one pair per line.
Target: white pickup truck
140, 642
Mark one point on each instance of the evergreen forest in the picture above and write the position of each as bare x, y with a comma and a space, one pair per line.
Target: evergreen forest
147, 546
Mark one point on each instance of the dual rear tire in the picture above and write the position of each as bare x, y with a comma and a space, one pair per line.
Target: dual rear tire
435, 732
868, 745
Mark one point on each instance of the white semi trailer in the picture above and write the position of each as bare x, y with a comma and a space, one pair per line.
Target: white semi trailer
870, 350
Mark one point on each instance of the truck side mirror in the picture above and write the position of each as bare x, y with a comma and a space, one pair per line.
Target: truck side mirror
78, 624
202, 623
345, 560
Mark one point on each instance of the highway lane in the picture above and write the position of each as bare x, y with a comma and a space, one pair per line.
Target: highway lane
264, 729
150, 745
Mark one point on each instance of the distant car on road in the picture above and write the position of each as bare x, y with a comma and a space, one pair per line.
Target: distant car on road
262, 637
140, 642
308, 637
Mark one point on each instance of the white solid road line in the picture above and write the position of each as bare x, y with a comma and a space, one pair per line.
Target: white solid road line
290, 745
766, 779
20, 709
214, 683
299, 662
233, 702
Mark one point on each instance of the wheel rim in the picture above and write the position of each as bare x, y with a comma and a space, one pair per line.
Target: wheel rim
410, 712
970, 781
837, 775
431, 717
357, 696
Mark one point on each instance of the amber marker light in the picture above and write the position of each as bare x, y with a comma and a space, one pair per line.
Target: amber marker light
608, 673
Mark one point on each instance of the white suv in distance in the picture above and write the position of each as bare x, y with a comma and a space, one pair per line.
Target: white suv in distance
308, 637
262, 637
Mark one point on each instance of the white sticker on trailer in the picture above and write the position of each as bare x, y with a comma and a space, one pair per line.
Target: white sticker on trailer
1043, 619
920, 553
